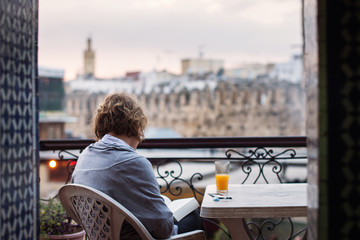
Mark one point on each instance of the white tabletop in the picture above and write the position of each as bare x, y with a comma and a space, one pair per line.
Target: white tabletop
257, 201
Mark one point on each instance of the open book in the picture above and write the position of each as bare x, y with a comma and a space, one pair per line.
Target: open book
181, 207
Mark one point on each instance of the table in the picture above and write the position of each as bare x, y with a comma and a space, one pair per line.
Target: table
254, 201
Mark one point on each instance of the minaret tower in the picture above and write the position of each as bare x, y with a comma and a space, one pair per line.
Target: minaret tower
89, 60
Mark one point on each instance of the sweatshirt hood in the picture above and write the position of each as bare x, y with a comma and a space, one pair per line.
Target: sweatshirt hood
108, 142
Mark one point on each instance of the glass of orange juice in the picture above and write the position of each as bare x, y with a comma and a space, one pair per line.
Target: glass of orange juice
222, 168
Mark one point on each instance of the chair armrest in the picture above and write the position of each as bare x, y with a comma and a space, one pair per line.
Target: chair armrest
196, 234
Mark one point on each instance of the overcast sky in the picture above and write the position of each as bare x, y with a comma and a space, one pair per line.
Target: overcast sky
131, 35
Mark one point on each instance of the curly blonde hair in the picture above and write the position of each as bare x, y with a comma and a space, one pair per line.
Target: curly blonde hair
120, 114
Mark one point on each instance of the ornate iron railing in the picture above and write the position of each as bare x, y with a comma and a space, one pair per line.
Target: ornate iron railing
254, 160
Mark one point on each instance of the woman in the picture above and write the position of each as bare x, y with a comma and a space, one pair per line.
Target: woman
112, 166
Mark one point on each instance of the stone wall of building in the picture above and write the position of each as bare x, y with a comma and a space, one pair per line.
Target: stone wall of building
82, 105
230, 110
246, 109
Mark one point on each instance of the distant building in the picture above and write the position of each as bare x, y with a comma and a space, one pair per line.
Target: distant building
89, 60
290, 71
52, 118
52, 124
249, 71
200, 66
51, 89
133, 75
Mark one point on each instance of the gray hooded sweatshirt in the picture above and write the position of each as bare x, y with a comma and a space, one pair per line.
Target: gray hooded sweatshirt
113, 167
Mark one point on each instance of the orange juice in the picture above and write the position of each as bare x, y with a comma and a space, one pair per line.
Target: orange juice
222, 181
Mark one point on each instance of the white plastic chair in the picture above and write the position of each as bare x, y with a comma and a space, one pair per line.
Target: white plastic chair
102, 217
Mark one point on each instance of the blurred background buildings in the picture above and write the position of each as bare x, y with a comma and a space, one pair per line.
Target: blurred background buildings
204, 100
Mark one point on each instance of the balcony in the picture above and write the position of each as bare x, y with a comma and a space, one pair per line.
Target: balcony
184, 167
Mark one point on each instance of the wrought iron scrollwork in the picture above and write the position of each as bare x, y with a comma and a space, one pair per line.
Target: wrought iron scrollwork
172, 179
265, 229
71, 162
259, 159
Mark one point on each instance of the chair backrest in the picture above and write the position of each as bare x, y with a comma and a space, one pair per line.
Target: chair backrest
100, 215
